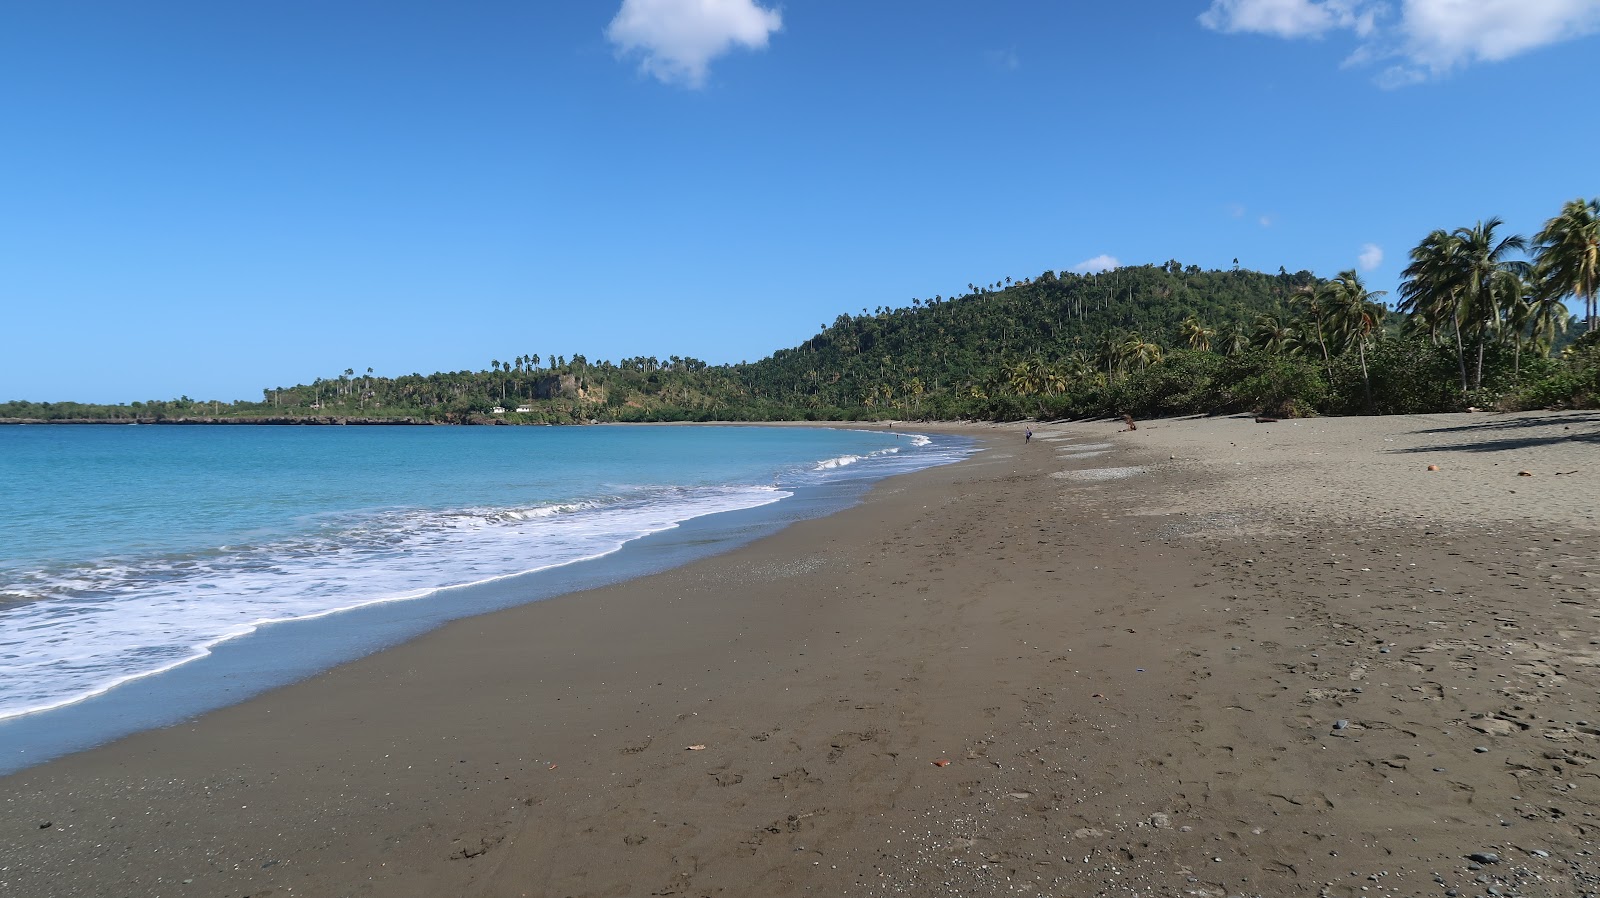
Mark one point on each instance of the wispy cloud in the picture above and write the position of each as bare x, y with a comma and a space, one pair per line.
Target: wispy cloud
678, 39
1288, 18
1371, 256
1101, 262
1264, 219
1418, 40
1005, 60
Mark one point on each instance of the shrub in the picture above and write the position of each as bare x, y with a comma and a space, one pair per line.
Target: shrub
1409, 376
1276, 385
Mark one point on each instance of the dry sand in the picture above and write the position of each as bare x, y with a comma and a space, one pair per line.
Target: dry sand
1207, 657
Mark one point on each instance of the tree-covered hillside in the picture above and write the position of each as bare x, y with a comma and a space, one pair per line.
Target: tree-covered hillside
1481, 319
941, 355
945, 354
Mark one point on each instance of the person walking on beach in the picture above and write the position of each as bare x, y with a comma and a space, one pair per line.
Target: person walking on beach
1027, 436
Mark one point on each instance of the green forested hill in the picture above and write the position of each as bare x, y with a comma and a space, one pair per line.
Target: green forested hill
935, 352
944, 356
1151, 339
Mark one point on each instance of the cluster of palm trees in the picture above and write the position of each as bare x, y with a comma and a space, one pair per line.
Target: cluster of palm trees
1335, 317
1466, 286
1115, 354
524, 364
1473, 287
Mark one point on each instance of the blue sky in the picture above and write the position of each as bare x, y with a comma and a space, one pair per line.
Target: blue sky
210, 198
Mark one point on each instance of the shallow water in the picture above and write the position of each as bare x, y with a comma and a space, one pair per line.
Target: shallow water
129, 551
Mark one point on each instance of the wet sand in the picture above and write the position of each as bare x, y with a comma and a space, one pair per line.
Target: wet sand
1207, 657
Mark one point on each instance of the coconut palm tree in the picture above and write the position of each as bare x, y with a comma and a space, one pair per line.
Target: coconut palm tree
1109, 351
1549, 313
1023, 377
1273, 333
1197, 335
1486, 277
1054, 379
1140, 351
1311, 298
1234, 339
1077, 367
1431, 291
1568, 249
1520, 301
1303, 342
1357, 315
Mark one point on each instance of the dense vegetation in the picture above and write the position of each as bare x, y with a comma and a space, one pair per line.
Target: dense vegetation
1480, 320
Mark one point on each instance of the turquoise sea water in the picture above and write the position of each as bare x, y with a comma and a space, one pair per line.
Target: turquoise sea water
126, 551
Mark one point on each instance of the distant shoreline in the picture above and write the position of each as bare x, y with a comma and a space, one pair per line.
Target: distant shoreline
341, 420
321, 420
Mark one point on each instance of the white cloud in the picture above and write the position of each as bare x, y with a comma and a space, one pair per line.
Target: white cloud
1443, 34
1288, 18
679, 38
1267, 221
1101, 262
1421, 39
1371, 256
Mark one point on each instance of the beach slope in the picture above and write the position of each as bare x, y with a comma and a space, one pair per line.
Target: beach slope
1206, 657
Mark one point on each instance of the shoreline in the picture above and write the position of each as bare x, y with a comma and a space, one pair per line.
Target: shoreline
277, 653
1101, 663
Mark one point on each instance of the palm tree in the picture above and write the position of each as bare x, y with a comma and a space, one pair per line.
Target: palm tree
1026, 377
1431, 290
1056, 379
1272, 333
1549, 314
1486, 276
1197, 335
1137, 349
1357, 314
1235, 339
1109, 351
1568, 249
1310, 297
1518, 318
1076, 367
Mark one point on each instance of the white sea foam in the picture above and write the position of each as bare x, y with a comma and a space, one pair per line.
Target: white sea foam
118, 622
75, 630
843, 460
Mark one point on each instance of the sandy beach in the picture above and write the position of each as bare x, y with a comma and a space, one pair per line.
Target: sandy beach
1206, 657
